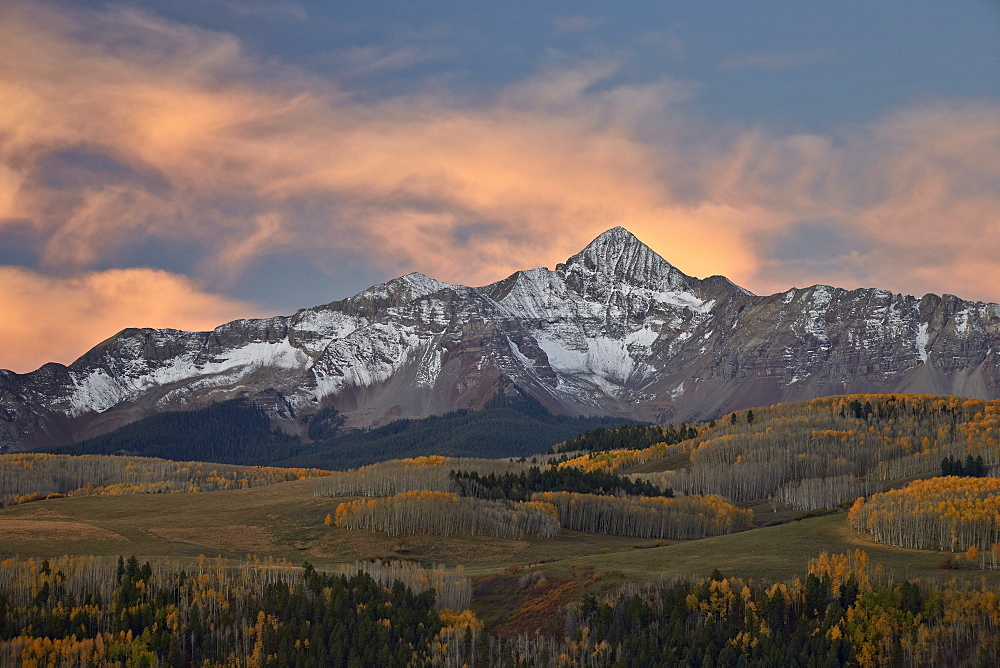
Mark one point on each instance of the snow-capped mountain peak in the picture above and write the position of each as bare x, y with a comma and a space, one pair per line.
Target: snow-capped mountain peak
619, 256
410, 286
615, 330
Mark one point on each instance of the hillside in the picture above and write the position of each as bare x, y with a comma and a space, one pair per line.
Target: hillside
240, 432
817, 453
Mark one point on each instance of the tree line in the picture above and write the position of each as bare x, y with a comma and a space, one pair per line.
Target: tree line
629, 437
32, 477
683, 518
452, 587
950, 513
445, 514
239, 432
228, 432
511, 429
972, 468
521, 486
431, 473
487, 478
840, 613
818, 453
88, 611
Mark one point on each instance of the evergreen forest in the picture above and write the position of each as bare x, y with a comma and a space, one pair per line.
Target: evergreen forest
238, 432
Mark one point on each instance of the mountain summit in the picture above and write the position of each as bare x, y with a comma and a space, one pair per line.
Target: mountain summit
615, 330
618, 256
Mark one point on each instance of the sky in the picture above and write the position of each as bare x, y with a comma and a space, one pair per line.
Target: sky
183, 164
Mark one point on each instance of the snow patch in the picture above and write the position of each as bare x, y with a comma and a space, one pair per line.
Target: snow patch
962, 322
430, 367
921, 342
605, 358
642, 337
563, 359
329, 323
96, 391
684, 300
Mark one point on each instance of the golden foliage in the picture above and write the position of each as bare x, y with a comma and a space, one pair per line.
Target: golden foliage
445, 513
407, 475
611, 461
676, 519
822, 452
33, 477
945, 513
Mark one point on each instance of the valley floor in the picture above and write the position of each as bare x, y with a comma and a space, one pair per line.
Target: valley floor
286, 521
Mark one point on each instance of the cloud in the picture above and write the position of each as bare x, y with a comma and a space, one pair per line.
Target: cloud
914, 195
239, 157
242, 158
83, 310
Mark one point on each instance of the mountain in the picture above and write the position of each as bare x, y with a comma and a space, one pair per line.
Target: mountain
615, 330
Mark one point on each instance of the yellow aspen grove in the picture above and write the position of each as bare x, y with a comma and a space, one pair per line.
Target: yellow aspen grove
611, 461
674, 519
34, 477
446, 514
945, 513
822, 452
408, 475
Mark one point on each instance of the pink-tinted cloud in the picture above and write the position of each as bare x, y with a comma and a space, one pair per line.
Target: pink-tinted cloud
45, 319
545, 162
242, 158
918, 193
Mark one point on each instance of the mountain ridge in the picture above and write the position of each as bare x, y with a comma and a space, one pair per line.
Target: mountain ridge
614, 330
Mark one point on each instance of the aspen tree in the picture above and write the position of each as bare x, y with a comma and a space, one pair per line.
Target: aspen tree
32, 477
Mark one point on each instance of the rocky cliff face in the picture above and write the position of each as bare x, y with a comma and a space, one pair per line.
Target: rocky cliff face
615, 330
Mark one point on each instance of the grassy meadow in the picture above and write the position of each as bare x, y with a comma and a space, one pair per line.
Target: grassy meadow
286, 520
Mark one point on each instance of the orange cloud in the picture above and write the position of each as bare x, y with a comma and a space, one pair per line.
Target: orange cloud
917, 193
542, 168
45, 319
